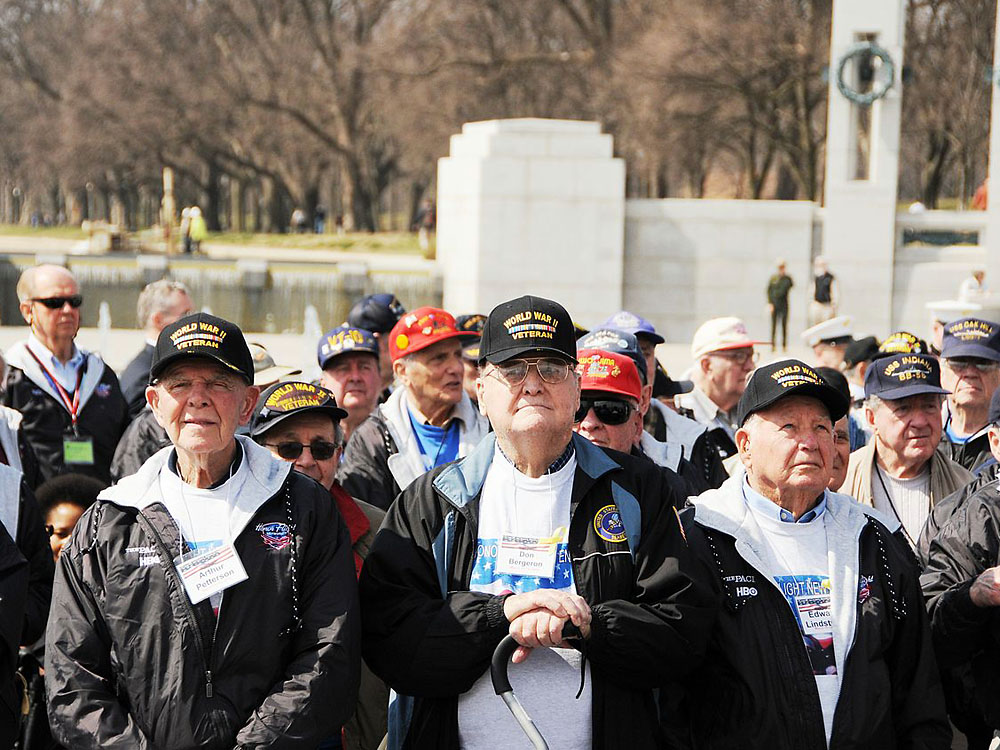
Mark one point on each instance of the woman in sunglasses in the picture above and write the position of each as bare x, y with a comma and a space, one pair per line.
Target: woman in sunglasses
301, 423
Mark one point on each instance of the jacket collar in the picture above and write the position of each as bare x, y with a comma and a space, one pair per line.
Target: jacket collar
266, 476
662, 454
17, 356
463, 480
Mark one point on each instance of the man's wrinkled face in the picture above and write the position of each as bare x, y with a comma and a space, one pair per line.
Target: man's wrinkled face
517, 408
433, 375
355, 381
728, 370
841, 452
200, 404
58, 324
909, 428
307, 430
971, 381
788, 446
619, 437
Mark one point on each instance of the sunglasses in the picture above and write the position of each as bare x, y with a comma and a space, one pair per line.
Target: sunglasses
56, 303
964, 364
321, 450
610, 411
553, 371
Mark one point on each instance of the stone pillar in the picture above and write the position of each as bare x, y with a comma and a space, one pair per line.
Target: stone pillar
860, 217
532, 206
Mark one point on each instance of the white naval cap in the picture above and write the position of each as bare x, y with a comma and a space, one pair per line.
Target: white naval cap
830, 330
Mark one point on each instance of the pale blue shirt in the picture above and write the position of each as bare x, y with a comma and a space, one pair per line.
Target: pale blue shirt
65, 374
762, 505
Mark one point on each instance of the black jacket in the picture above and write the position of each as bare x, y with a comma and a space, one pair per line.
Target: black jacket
429, 637
131, 663
13, 593
141, 439
970, 454
103, 418
966, 637
757, 690
134, 379
985, 473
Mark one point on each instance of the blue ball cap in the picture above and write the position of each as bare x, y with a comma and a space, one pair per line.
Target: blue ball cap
618, 341
623, 320
344, 340
971, 337
903, 375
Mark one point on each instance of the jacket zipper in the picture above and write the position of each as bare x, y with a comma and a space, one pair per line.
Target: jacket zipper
204, 650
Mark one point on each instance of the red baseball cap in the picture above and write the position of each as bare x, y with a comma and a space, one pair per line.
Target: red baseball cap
609, 372
419, 329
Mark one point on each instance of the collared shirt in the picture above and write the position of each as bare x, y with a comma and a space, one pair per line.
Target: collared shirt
564, 458
706, 411
65, 374
762, 505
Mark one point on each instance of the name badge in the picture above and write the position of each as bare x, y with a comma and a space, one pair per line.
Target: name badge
529, 555
78, 450
815, 614
207, 572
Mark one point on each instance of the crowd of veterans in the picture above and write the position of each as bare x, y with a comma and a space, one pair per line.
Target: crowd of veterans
209, 551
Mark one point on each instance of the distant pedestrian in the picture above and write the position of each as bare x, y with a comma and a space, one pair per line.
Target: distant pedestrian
319, 220
825, 293
199, 230
426, 223
777, 302
974, 288
185, 229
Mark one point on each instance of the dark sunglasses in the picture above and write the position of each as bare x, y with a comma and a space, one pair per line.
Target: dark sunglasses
56, 303
609, 411
320, 449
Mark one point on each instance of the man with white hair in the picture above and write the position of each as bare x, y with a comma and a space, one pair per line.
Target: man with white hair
72, 405
160, 304
823, 640
724, 356
426, 422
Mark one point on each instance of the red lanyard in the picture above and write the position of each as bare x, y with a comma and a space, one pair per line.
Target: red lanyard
72, 404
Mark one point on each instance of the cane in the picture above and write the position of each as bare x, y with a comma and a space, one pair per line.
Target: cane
502, 686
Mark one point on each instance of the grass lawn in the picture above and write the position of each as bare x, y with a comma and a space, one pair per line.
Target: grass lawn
23, 230
388, 242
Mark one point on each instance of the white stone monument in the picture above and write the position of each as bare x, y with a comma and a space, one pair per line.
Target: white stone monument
862, 161
532, 206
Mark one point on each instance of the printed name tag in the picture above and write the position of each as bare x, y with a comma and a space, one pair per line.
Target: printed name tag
78, 450
207, 572
815, 615
529, 555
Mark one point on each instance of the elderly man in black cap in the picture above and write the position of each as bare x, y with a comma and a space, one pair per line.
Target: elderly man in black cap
970, 370
901, 471
535, 528
823, 641
208, 600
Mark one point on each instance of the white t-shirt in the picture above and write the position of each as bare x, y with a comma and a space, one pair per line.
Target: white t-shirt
909, 500
547, 683
202, 515
801, 553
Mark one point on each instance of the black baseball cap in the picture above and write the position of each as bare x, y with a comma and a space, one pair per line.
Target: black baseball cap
971, 337
527, 324
377, 313
861, 350
789, 377
283, 400
903, 375
203, 335
619, 341
473, 323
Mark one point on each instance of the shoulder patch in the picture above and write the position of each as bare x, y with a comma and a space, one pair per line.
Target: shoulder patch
608, 524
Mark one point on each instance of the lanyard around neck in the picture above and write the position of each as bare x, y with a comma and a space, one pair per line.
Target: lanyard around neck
72, 404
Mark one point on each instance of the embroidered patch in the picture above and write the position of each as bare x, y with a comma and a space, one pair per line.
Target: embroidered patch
608, 524
147, 555
275, 535
744, 586
864, 588
103, 390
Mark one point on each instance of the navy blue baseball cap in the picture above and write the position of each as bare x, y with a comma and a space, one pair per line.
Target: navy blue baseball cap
903, 375
377, 313
618, 341
623, 320
971, 337
344, 340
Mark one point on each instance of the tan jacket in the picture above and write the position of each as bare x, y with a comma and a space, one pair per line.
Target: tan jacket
946, 475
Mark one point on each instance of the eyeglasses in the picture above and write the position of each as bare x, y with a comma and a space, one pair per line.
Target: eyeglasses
959, 364
321, 450
738, 356
608, 410
553, 371
56, 303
